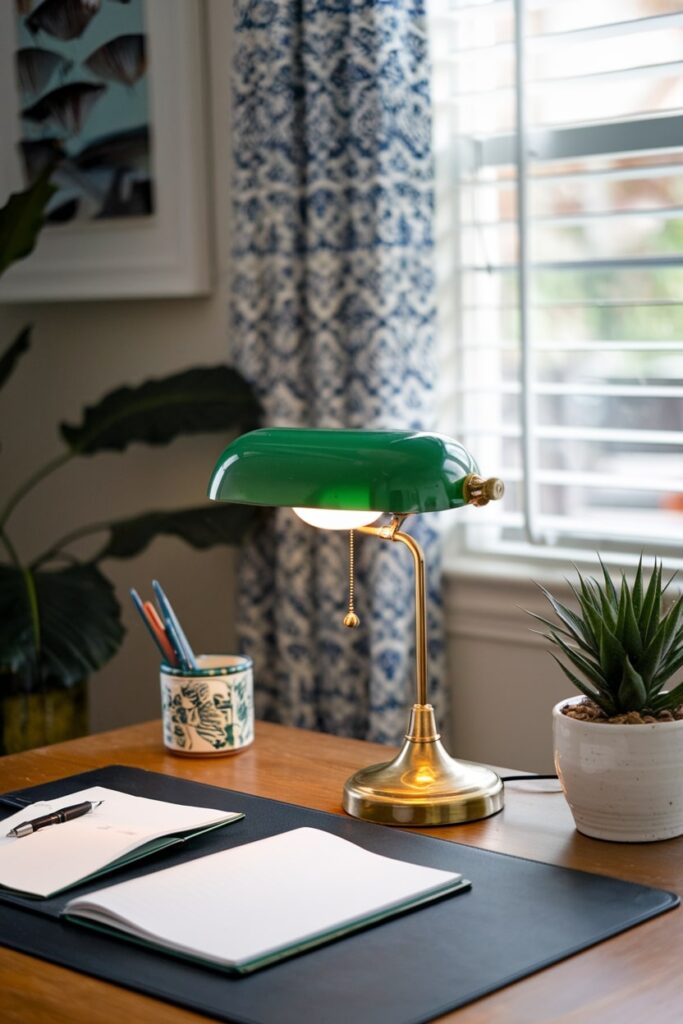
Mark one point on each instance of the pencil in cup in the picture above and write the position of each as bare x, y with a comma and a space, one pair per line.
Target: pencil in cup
154, 627
160, 634
185, 656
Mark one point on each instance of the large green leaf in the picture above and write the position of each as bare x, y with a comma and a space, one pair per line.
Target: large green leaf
21, 219
211, 398
201, 527
9, 359
79, 623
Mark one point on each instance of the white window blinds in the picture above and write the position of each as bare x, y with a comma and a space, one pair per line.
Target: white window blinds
559, 147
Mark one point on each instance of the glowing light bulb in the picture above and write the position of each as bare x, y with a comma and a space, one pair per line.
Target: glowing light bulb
336, 518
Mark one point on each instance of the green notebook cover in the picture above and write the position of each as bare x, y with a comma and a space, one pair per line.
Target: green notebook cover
255, 904
250, 966
146, 850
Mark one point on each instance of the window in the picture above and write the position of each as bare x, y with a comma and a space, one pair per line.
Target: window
559, 149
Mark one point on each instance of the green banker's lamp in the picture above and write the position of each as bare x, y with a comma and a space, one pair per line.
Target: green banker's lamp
346, 480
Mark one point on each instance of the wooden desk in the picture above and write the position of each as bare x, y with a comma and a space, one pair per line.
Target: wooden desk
631, 978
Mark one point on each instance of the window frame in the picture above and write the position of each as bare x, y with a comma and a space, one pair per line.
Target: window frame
637, 136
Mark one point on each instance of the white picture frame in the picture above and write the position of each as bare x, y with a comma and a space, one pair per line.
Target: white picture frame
163, 254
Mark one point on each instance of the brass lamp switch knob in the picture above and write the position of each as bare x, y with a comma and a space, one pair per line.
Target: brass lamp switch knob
478, 491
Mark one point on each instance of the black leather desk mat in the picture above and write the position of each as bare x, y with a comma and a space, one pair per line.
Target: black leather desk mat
519, 917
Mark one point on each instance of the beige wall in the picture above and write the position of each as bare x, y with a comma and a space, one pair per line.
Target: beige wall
79, 352
503, 683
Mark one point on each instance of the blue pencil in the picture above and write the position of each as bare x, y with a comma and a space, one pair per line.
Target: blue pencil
140, 608
174, 630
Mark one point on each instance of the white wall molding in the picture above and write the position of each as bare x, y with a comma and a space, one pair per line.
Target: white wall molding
492, 608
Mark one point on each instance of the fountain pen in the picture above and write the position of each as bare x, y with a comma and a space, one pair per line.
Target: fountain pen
25, 828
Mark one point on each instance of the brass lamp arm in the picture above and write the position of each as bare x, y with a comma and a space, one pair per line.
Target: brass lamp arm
392, 532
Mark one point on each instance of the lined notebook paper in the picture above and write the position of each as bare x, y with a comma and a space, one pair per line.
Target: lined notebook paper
249, 906
122, 829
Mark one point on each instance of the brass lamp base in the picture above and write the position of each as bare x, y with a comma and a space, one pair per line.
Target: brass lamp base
423, 785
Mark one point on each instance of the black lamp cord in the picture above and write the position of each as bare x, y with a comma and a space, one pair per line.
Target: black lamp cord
525, 778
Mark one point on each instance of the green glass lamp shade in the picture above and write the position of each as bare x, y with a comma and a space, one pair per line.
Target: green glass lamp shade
397, 471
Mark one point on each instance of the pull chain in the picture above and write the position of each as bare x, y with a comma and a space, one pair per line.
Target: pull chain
351, 619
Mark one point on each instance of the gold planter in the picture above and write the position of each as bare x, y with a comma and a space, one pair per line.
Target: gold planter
30, 720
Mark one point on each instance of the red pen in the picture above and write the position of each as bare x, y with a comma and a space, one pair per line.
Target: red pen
155, 628
160, 632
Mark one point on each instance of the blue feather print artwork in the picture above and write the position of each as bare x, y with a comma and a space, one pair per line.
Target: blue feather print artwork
36, 66
82, 75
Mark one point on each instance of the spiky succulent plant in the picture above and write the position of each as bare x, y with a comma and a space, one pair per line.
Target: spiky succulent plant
622, 643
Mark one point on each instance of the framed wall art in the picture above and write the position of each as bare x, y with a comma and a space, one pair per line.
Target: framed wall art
111, 95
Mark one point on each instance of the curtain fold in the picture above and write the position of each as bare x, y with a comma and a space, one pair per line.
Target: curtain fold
333, 323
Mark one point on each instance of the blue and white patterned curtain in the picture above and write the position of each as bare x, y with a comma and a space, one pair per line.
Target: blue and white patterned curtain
333, 321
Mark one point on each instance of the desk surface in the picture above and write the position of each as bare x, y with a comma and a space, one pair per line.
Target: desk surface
635, 976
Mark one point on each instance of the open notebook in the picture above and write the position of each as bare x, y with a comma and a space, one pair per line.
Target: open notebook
252, 905
122, 829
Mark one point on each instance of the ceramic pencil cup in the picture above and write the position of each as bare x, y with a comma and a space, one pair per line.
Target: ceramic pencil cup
208, 711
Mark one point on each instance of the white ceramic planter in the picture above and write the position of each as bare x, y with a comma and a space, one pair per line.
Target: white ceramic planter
622, 782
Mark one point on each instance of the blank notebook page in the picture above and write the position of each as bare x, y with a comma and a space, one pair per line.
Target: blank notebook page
245, 903
60, 855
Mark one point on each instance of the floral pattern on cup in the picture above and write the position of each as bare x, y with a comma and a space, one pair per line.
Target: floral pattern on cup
209, 710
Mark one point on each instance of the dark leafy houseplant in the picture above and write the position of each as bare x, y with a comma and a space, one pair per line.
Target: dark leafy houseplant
60, 622
625, 647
